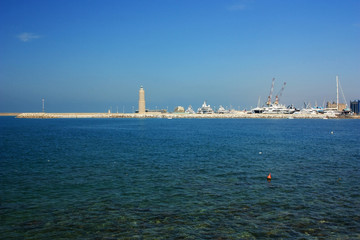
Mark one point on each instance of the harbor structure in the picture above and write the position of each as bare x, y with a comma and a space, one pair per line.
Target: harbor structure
336, 106
141, 100
179, 109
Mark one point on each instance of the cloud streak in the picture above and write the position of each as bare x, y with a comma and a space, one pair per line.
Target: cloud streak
26, 37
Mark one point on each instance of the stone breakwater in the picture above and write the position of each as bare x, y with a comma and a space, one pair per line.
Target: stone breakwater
172, 116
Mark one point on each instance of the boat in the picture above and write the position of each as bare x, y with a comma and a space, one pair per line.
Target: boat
222, 110
205, 109
189, 110
274, 107
278, 109
337, 108
258, 110
311, 110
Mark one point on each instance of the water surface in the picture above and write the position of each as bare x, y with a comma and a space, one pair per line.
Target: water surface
179, 178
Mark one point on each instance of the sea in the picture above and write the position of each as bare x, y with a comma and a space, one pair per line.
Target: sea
179, 178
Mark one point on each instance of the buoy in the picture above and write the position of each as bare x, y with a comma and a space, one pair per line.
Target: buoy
269, 176
332, 132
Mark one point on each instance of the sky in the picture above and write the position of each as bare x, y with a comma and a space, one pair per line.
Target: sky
93, 55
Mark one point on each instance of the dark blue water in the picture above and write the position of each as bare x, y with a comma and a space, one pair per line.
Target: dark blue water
179, 179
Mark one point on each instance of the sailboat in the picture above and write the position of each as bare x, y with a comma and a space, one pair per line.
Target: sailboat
331, 110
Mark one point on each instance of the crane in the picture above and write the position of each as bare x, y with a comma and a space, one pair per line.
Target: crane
279, 94
271, 92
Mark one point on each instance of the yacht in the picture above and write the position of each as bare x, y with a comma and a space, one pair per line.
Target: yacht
205, 109
258, 110
222, 110
189, 110
278, 109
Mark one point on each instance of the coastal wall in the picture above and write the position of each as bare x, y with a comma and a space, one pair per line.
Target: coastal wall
173, 116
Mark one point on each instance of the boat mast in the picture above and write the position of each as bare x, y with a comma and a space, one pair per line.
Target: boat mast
337, 92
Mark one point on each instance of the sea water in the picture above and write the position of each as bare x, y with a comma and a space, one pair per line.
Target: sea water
179, 179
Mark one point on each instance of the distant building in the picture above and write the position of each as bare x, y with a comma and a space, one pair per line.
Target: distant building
179, 109
355, 106
141, 101
333, 105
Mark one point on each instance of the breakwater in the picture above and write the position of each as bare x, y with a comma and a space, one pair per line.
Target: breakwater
172, 115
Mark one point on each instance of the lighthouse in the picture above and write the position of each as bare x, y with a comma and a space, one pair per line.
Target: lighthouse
141, 100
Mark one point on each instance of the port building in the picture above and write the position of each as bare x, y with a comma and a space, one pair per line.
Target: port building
179, 109
334, 105
355, 106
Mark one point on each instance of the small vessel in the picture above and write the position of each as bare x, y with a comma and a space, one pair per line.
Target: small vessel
189, 110
310, 110
222, 110
258, 109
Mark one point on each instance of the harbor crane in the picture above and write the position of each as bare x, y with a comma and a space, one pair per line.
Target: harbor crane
271, 92
279, 94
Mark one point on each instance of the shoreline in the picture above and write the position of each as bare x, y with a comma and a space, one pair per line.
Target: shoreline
177, 116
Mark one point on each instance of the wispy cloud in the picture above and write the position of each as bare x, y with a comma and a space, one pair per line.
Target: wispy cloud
26, 37
237, 7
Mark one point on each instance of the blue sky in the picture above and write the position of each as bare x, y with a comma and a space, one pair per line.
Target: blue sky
88, 56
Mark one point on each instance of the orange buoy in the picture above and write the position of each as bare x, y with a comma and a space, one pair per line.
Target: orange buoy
269, 176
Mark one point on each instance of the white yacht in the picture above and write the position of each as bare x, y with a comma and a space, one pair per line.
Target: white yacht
189, 110
222, 110
205, 109
258, 110
278, 109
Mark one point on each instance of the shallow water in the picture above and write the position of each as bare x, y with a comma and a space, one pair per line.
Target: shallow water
179, 178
